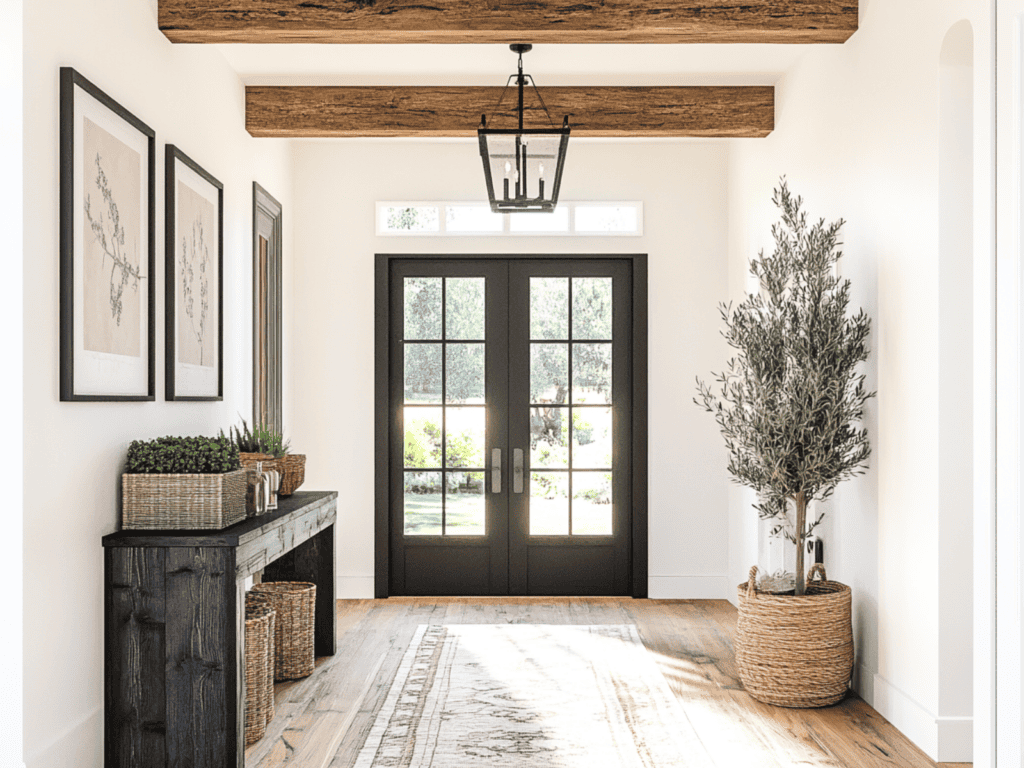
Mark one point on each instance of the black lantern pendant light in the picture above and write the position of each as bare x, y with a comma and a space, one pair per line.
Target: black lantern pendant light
525, 163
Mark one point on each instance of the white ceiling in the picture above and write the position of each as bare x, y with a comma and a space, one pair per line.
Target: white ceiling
491, 64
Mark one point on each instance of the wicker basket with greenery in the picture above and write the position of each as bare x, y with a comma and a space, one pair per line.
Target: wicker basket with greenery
263, 444
788, 405
182, 483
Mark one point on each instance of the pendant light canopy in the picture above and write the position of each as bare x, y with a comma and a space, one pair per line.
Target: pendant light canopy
523, 166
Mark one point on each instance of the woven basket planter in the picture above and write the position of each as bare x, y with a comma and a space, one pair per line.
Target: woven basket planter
183, 502
257, 604
795, 651
294, 605
291, 466
257, 637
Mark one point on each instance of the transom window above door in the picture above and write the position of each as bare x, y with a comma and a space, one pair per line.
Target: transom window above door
573, 219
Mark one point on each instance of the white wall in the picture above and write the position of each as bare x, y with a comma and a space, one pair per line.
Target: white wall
683, 188
956, 412
74, 451
857, 135
12, 94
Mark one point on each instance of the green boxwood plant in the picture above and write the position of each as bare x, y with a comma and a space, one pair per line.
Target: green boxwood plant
182, 456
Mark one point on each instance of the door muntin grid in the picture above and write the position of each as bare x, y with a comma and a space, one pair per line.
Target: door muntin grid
570, 412
444, 415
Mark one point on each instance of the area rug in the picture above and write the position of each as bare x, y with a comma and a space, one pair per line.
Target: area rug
530, 696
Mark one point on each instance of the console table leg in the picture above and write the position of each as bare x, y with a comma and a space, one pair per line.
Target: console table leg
240, 666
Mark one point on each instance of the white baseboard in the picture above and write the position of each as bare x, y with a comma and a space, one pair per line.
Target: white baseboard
77, 745
688, 587
956, 739
912, 719
864, 684
943, 739
353, 587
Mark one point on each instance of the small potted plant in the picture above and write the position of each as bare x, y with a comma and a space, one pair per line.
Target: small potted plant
264, 444
788, 405
182, 483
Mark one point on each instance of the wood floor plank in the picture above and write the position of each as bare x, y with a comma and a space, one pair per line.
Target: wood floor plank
322, 721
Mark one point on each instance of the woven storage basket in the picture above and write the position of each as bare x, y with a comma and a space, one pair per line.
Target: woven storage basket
293, 473
291, 466
183, 501
249, 461
294, 603
795, 651
261, 604
257, 636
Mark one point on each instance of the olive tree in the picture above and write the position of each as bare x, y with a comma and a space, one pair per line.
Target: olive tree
789, 401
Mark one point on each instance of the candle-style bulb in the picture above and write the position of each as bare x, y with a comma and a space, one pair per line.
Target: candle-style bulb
542, 171
508, 167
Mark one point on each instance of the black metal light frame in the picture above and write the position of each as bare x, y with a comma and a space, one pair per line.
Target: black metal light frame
514, 199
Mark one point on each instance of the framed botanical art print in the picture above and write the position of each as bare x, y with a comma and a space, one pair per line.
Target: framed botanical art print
107, 247
194, 254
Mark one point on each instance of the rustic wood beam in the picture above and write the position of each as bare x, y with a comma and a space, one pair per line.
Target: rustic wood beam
508, 21
368, 111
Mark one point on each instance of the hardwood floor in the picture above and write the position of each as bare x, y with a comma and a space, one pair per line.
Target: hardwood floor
321, 721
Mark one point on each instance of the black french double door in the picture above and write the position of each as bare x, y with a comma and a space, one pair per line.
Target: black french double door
510, 431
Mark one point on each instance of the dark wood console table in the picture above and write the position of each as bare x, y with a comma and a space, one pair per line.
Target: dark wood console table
175, 629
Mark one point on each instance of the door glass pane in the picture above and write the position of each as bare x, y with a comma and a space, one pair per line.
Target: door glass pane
592, 438
423, 504
549, 373
464, 308
422, 437
591, 503
549, 503
591, 307
549, 308
549, 437
422, 373
423, 308
592, 373
464, 434
465, 372
465, 506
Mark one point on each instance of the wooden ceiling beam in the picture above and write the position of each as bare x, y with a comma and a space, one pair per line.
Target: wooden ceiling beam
504, 21
367, 111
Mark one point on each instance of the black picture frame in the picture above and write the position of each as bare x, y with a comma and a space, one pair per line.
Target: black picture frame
185, 356
107, 232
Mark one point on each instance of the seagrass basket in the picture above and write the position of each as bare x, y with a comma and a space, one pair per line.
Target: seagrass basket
291, 467
257, 636
259, 604
795, 651
294, 605
184, 502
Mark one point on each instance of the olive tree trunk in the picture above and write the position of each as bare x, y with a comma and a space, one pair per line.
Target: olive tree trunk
800, 535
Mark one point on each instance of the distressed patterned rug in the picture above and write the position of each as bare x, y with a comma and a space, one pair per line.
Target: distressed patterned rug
530, 696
